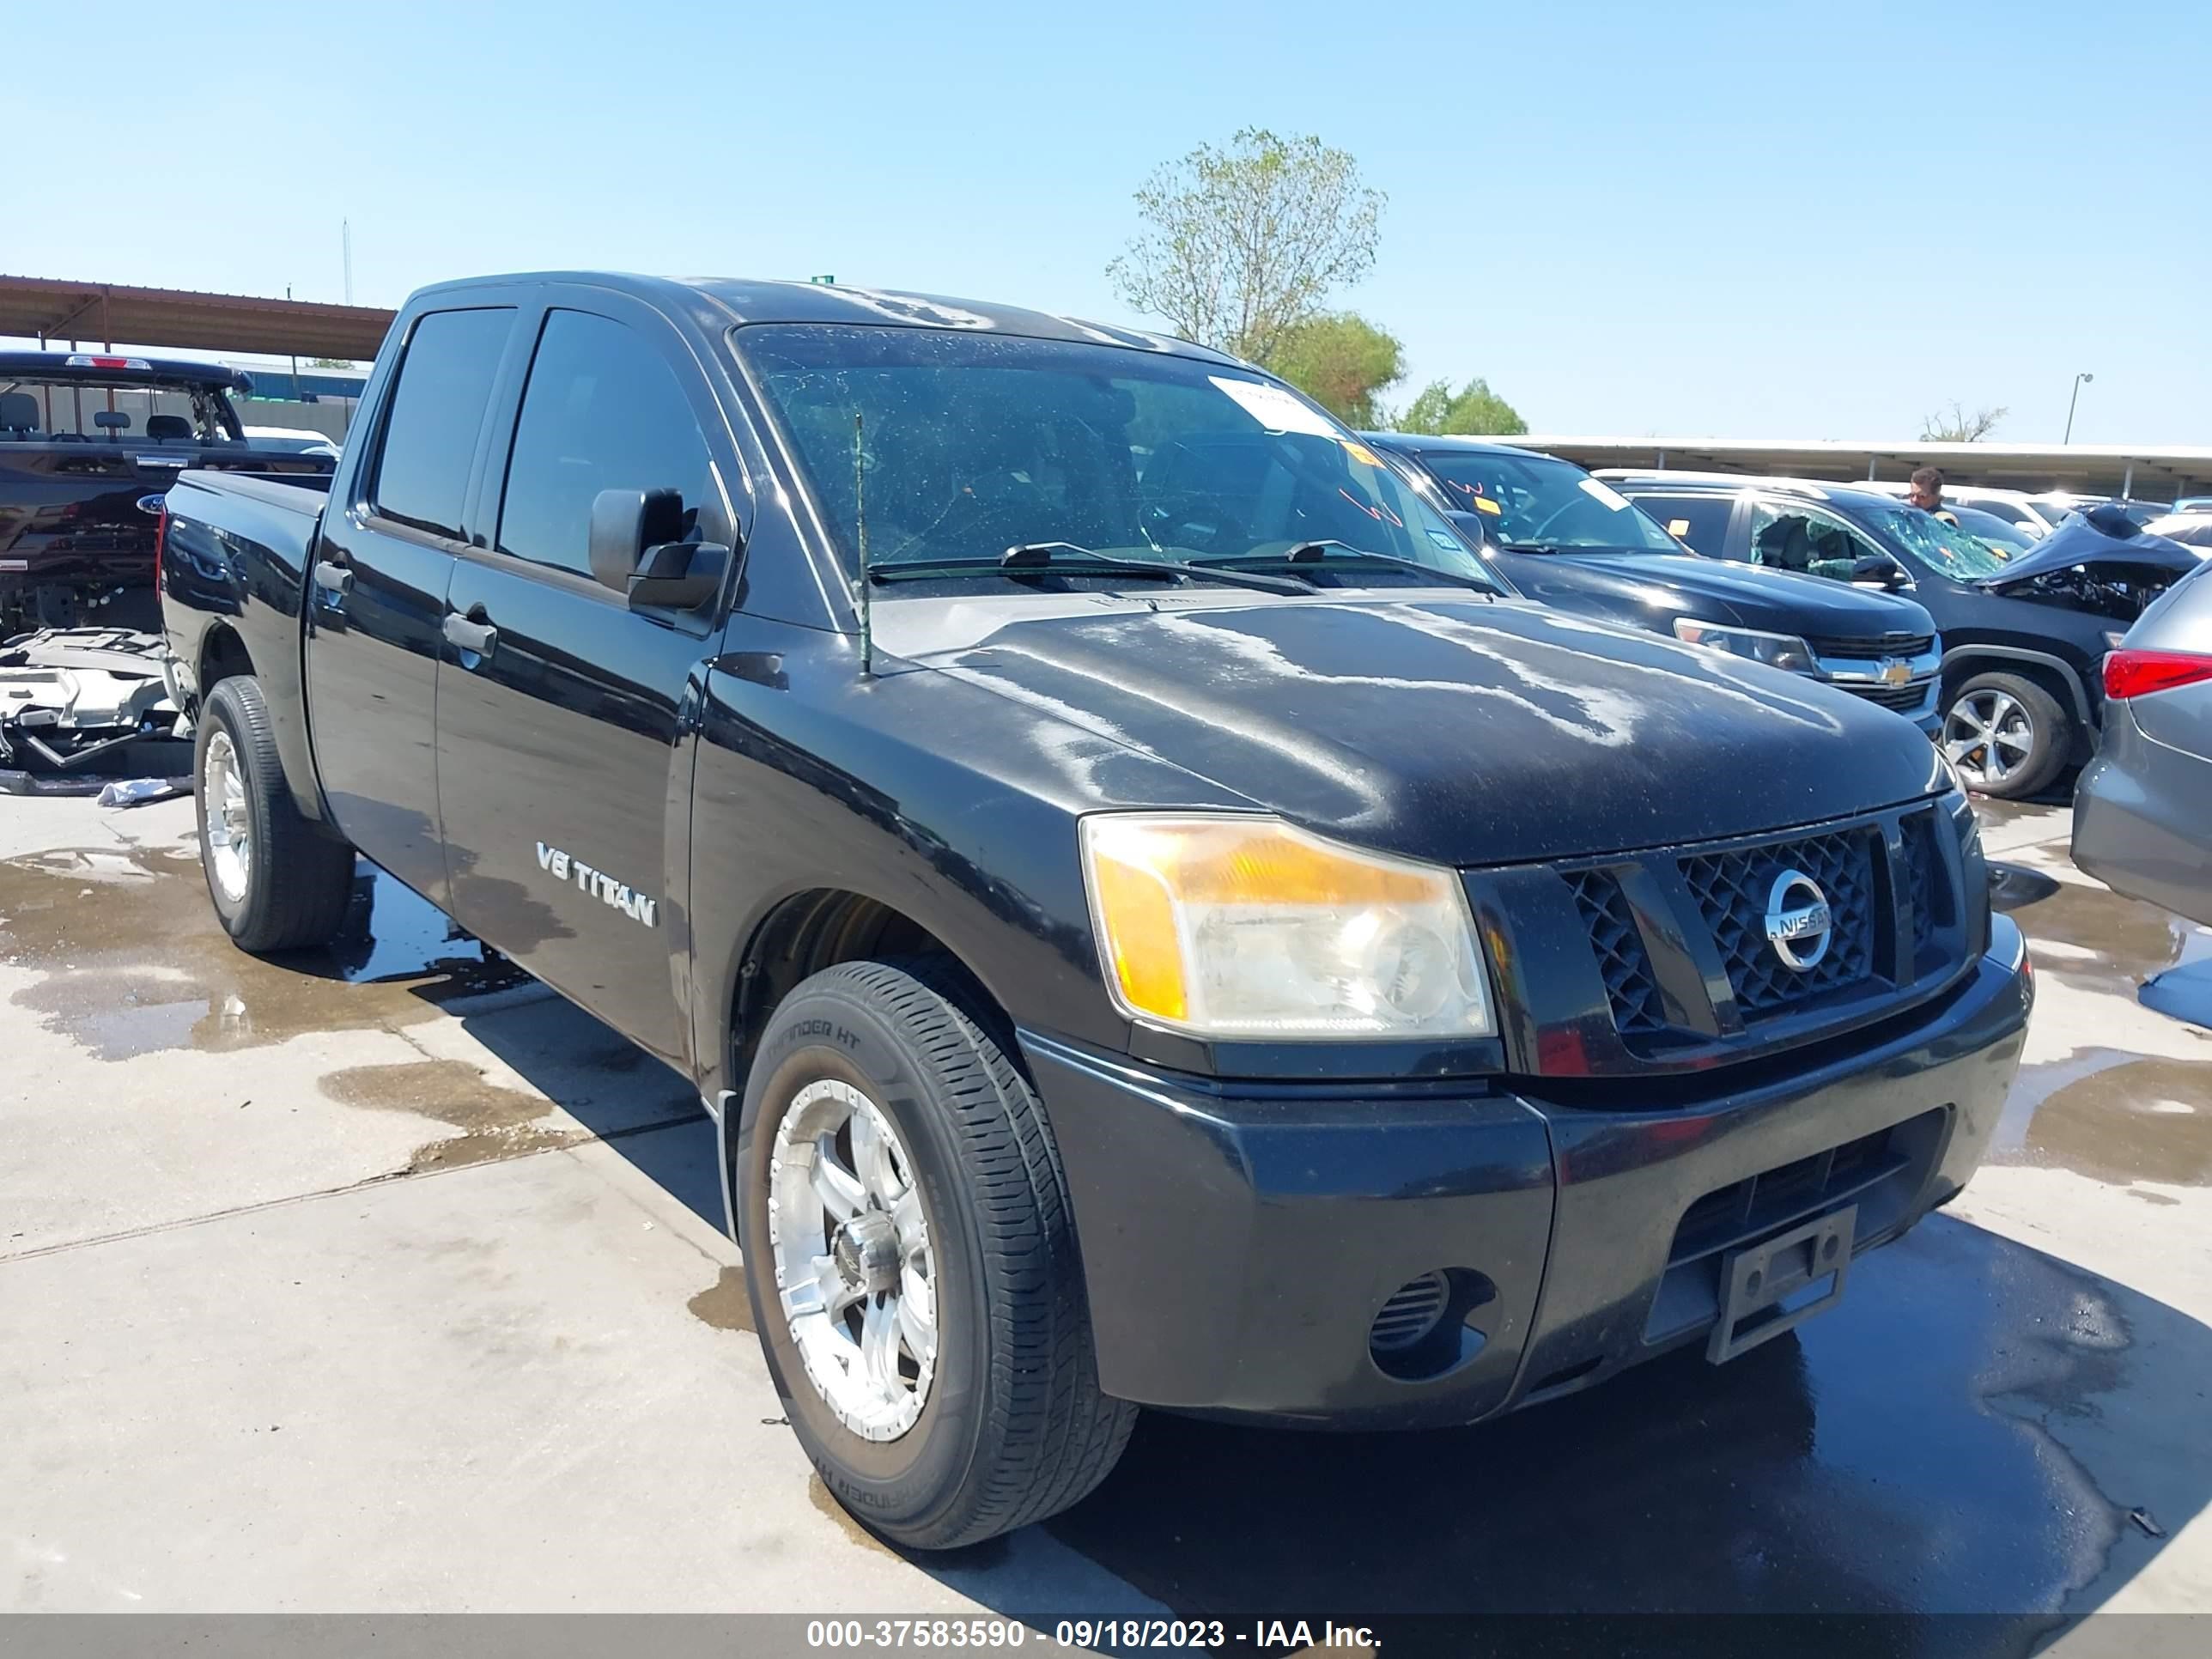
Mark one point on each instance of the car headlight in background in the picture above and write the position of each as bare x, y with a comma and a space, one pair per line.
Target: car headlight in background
1775, 650
1228, 927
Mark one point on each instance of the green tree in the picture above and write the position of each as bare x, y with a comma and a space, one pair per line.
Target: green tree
1240, 243
1474, 408
1342, 362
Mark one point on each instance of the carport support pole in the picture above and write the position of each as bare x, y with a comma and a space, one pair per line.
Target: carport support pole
2128, 484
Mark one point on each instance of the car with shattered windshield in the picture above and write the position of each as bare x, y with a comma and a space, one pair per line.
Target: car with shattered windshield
1154, 923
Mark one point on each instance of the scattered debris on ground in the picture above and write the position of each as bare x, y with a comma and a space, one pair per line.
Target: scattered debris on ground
81, 705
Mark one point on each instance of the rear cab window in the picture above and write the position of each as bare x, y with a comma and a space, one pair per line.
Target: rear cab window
436, 410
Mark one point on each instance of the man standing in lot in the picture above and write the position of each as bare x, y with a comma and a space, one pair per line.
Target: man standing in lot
1927, 493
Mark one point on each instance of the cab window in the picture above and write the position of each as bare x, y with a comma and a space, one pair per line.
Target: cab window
601, 411
436, 408
1791, 536
1700, 522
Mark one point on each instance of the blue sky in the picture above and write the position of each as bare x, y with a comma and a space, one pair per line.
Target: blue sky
1743, 219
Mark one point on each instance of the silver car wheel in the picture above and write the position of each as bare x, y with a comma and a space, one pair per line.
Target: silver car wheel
1988, 736
230, 824
855, 1277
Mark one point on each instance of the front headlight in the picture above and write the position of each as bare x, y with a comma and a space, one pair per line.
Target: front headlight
1244, 928
1775, 650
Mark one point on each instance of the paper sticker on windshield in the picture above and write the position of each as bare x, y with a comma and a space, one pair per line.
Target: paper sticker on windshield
1484, 504
1275, 409
1361, 453
1605, 493
1678, 528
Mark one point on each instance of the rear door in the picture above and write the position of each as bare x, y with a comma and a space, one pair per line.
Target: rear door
377, 592
565, 734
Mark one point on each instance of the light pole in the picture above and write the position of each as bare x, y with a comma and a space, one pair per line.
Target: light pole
2070, 402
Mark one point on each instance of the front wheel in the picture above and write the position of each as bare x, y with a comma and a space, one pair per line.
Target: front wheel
2007, 735
912, 1262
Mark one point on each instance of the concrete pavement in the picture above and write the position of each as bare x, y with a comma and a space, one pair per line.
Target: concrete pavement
388, 1281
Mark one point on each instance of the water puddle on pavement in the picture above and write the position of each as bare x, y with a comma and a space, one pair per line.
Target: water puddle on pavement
723, 1305
495, 1121
131, 960
2090, 934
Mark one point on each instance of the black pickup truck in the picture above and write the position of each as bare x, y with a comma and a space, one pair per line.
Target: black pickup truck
1153, 924
88, 441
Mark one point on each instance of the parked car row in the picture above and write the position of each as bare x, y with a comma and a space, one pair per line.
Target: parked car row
1160, 912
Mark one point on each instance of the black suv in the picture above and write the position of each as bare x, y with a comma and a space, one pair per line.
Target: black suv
2024, 639
1560, 537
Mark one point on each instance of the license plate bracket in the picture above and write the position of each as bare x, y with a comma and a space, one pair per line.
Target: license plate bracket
1756, 1280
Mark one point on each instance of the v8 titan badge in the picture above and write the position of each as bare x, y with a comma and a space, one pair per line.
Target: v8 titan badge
599, 884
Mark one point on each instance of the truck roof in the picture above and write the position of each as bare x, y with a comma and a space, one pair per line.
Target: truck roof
119, 369
755, 299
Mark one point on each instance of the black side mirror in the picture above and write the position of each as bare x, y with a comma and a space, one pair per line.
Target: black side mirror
637, 548
1879, 568
1469, 523
109, 420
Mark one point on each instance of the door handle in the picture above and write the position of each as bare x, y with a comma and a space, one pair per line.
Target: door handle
467, 635
334, 580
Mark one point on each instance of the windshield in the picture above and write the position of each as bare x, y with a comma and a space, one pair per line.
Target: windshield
969, 444
2001, 536
83, 411
1949, 548
1534, 498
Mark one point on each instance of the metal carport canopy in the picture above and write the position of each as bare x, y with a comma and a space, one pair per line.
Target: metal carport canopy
2154, 471
109, 313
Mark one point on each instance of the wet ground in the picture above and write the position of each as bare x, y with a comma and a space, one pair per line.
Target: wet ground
381, 1279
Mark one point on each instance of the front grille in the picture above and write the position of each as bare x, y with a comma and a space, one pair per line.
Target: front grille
1882, 645
1622, 961
1888, 696
1923, 874
1731, 890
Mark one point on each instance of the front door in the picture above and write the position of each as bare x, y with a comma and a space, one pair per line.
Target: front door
564, 728
376, 595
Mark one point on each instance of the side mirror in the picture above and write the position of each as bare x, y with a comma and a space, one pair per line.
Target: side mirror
636, 548
1469, 523
1879, 567
109, 420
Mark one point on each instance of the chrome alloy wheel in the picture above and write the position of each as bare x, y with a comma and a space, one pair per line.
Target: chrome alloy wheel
229, 825
855, 1274
1988, 735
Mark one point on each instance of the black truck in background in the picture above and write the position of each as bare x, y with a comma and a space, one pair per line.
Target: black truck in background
89, 442
1153, 923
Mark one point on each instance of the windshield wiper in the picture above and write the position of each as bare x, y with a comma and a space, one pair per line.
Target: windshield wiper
1530, 547
1067, 559
1308, 553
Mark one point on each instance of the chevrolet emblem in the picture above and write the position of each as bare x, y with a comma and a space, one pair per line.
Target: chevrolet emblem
1894, 672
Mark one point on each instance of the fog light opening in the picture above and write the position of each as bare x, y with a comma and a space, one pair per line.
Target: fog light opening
1427, 1327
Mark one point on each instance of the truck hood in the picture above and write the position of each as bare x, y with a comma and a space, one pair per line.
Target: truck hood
1784, 601
1460, 731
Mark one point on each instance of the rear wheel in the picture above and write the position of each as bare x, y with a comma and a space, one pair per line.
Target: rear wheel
912, 1265
277, 884
2007, 735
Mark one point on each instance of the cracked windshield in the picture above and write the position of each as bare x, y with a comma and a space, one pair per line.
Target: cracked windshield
968, 446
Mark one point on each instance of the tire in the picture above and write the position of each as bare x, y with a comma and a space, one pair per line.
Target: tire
1005, 1423
2007, 735
290, 887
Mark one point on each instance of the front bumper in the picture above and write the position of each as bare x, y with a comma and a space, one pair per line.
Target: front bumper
1238, 1241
